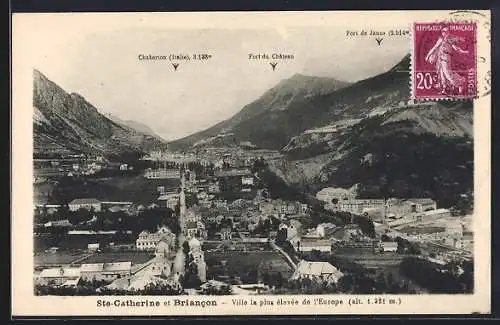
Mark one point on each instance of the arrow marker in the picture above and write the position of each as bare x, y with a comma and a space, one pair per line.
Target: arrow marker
175, 65
273, 64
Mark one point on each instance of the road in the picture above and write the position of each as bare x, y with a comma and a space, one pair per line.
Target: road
285, 254
179, 262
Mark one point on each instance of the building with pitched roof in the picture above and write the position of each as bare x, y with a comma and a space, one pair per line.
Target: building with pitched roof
149, 241
326, 230
195, 250
293, 229
358, 205
317, 271
87, 203
58, 276
421, 204
309, 245
195, 229
105, 271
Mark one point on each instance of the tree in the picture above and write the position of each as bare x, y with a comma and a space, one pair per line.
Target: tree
160, 289
79, 216
281, 236
191, 279
430, 276
211, 229
185, 250
413, 249
219, 290
385, 238
150, 219
464, 204
227, 223
62, 213
366, 225
346, 283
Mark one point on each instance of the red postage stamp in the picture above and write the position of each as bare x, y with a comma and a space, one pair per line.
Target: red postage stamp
444, 61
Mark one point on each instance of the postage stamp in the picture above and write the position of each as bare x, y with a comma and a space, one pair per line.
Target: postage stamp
444, 61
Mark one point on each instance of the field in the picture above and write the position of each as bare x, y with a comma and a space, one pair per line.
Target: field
211, 246
136, 257
72, 242
41, 192
57, 258
136, 189
241, 263
376, 260
380, 263
422, 230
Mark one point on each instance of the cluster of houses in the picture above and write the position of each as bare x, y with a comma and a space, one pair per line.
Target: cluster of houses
234, 157
70, 166
328, 238
90, 204
71, 276
163, 237
391, 206
454, 234
121, 275
380, 210
162, 173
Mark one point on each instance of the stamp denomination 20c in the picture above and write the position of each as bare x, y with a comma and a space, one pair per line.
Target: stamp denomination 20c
444, 61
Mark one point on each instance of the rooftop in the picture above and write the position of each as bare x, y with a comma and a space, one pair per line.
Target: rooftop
191, 225
328, 225
85, 201
316, 268
106, 267
315, 242
60, 272
421, 200
168, 196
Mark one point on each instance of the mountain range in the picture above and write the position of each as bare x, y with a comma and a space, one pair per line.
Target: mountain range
273, 104
331, 134
304, 104
65, 123
337, 134
134, 125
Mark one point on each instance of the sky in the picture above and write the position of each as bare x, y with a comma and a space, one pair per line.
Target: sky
103, 66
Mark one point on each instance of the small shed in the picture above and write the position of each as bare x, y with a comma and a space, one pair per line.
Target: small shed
93, 247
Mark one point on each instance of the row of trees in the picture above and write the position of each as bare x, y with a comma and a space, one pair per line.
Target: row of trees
356, 278
148, 219
436, 279
265, 226
404, 246
216, 290
350, 283
190, 279
86, 290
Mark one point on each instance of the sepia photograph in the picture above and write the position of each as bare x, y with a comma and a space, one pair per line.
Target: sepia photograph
325, 160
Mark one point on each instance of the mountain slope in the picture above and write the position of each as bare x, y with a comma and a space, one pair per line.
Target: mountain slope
368, 133
277, 99
387, 145
275, 129
67, 123
134, 125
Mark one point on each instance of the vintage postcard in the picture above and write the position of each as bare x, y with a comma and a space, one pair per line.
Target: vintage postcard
257, 163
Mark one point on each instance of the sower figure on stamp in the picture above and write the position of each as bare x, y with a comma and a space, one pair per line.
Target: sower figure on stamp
441, 56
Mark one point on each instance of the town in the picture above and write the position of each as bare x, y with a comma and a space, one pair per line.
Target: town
218, 222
